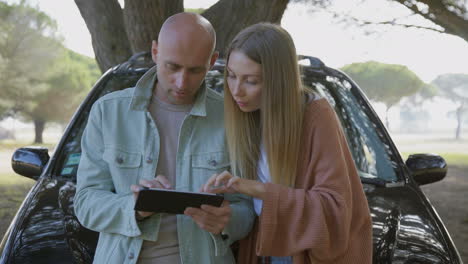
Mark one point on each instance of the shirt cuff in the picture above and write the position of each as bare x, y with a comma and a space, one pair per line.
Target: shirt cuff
221, 242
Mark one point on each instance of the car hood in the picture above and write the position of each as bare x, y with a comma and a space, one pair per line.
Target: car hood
405, 227
47, 231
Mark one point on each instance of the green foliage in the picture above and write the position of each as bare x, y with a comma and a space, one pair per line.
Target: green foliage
28, 43
195, 10
386, 83
5, 106
428, 91
413, 116
453, 86
39, 78
70, 78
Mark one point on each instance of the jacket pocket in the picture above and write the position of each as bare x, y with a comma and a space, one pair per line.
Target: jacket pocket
124, 167
206, 164
122, 158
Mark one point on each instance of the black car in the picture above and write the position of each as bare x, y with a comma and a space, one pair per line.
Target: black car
406, 228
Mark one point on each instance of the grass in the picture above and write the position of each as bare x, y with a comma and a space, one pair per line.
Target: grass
9, 144
452, 159
13, 187
11, 197
9, 179
456, 159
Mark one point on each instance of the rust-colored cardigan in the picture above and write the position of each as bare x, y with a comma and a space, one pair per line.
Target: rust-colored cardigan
325, 219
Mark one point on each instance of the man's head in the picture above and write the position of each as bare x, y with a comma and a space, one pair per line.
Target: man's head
184, 53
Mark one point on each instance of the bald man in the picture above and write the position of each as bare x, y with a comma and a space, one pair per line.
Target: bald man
166, 132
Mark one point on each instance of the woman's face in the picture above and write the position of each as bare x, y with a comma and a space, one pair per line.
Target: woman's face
244, 79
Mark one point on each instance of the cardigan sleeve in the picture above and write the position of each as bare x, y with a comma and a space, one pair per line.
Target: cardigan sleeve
316, 218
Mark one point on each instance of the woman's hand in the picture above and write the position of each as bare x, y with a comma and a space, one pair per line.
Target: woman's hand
227, 183
222, 183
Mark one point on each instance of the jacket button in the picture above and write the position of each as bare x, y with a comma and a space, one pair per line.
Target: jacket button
213, 163
149, 160
131, 255
119, 160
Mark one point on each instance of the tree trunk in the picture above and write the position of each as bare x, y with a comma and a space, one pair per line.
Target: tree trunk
231, 16
104, 19
387, 122
459, 121
39, 126
450, 15
144, 18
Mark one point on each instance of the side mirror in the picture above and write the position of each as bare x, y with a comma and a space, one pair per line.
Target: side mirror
30, 161
427, 168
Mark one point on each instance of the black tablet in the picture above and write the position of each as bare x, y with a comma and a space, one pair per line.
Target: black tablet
172, 201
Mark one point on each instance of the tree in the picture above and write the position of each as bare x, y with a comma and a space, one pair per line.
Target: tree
28, 41
39, 79
386, 83
413, 116
454, 86
27, 38
118, 32
70, 78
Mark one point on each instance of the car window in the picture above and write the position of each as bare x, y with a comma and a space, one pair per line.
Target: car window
369, 147
69, 156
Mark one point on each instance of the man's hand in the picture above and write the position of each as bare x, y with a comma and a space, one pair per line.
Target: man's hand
158, 182
211, 218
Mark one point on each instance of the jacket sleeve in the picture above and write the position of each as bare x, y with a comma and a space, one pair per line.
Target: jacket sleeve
240, 224
97, 206
315, 219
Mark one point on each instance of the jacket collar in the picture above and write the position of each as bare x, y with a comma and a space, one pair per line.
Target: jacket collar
144, 90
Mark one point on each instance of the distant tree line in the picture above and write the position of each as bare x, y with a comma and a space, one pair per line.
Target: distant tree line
390, 83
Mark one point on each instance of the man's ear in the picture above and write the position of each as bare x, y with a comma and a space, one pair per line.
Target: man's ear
154, 50
213, 58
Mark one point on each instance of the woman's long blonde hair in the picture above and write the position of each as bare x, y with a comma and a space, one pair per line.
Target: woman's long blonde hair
279, 122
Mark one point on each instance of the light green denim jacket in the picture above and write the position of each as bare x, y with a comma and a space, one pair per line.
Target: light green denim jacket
120, 146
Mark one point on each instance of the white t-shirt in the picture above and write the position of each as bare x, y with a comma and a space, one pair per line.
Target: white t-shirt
263, 173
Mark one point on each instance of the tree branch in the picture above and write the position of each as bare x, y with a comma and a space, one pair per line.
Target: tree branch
394, 23
441, 13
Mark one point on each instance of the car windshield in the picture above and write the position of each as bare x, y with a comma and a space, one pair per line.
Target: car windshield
372, 154
370, 147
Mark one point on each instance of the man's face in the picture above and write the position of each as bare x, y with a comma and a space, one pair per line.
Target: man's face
181, 68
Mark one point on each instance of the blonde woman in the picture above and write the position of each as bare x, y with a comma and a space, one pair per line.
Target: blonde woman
291, 156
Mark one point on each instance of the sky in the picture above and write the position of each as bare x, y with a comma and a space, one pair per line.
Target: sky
318, 34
